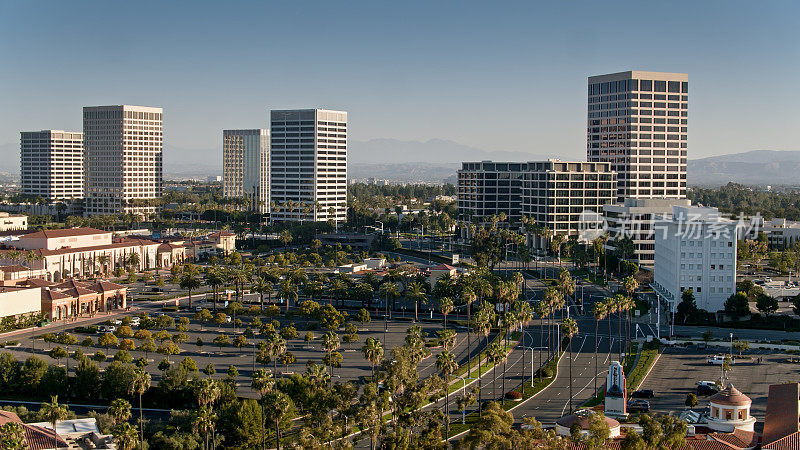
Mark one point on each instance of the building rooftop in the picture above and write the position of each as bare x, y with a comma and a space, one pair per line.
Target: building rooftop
730, 396
64, 232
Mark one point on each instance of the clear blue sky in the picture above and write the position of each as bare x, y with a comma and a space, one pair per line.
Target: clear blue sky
495, 75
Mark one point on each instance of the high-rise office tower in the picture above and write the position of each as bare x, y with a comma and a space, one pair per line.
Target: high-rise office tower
308, 177
51, 164
123, 147
245, 166
637, 121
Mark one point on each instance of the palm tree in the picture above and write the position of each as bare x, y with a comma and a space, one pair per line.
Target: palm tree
53, 412
523, 314
468, 295
262, 286
417, 293
262, 382
497, 353
215, 278
446, 307
569, 328
619, 304
330, 342
190, 282
446, 363
373, 352
125, 435
119, 410
542, 309
554, 301
599, 311
556, 243
204, 422
208, 392
288, 292
482, 324
389, 290
140, 385
629, 285
276, 345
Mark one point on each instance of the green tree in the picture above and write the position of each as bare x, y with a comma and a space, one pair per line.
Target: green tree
12, 437
766, 304
53, 412
737, 306
190, 281
688, 306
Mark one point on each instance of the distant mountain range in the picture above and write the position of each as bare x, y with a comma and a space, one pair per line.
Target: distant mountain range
753, 167
437, 159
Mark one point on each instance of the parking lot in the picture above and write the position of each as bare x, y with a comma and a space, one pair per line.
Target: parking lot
679, 368
353, 366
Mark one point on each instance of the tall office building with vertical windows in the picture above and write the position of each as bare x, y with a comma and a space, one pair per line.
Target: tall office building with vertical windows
637, 121
245, 166
51, 163
308, 176
123, 147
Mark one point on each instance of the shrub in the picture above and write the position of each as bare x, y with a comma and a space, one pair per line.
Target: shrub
514, 395
547, 372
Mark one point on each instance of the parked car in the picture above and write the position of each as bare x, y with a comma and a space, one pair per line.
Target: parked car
637, 405
719, 360
643, 393
103, 329
705, 390
135, 321
116, 322
712, 384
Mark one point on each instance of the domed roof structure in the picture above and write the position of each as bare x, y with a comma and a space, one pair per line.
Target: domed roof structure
730, 396
583, 421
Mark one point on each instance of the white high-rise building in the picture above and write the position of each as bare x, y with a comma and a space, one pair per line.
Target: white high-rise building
51, 164
695, 249
308, 176
638, 122
123, 158
245, 166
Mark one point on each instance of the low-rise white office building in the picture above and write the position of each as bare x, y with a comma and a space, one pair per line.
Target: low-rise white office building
695, 249
634, 219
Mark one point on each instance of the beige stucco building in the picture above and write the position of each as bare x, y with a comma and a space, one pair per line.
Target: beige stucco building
10, 222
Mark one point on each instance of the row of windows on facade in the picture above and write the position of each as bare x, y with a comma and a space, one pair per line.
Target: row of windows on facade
630, 120
611, 87
628, 105
634, 96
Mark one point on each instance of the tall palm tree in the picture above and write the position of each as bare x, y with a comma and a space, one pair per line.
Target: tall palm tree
140, 385
330, 342
373, 352
619, 303
468, 295
208, 392
569, 328
446, 363
125, 435
629, 285
446, 307
204, 422
599, 311
553, 299
215, 278
262, 382
262, 286
276, 345
190, 282
53, 412
497, 353
417, 293
523, 314
288, 292
482, 324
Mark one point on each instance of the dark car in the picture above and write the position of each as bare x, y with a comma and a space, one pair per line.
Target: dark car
641, 406
704, 390
643, 393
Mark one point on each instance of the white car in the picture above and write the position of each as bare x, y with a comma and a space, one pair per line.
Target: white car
719, 360
135, 321
711, 384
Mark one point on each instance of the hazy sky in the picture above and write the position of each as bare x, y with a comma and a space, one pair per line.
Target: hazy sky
495, 75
